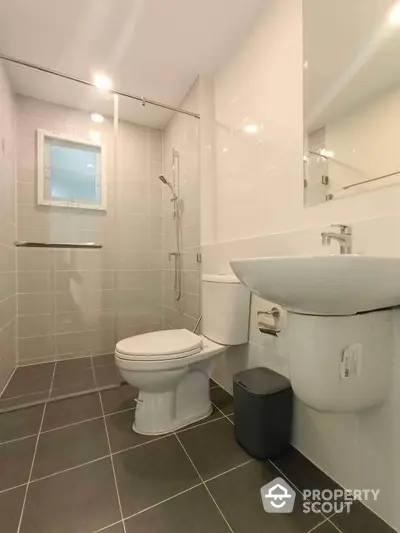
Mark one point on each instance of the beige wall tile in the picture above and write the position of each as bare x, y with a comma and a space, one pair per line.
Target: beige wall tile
8, 284
78, 285
36, 348
8, 310
78, 342
36, 304
35, 259
36, 282
35, 325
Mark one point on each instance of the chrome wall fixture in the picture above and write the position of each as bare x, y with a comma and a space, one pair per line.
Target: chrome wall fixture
27, 244
264, 319
178, 226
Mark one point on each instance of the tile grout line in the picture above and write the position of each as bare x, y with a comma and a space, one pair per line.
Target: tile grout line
142, 444
230, 470
318, 525
106, 527
196, 425
328, 518
31, 471
70, 468
18, 439
12, 488
122, 451
163, 501
204, 484
8, 381
69, 425
223, 414
333, 523
34, 456
52, 380
112, 454
68, 396
41, 432
111, 457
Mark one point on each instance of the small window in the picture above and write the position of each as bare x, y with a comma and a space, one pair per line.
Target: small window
70, 172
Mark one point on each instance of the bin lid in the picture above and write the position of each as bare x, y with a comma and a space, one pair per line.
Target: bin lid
261, 380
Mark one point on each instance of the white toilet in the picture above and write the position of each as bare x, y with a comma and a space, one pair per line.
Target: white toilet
172, 368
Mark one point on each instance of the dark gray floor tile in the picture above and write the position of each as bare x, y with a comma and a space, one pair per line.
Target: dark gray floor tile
23, 401
20, 423
10, 509
149, 474
107, 375
193, 512
237, 493
360, 518
117, 528
29, 379
64, 412
73, 366
68, 447
36, 371
302, 472
80, 500
119, 399
212, 448
222, 399
68, 382
120, 431
15, 462
103, 360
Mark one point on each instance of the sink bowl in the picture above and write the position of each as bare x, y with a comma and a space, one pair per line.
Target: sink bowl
332, 285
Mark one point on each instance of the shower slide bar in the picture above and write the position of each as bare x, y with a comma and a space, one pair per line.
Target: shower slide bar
27, 244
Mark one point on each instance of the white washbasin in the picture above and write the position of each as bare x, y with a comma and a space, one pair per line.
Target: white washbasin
323, 285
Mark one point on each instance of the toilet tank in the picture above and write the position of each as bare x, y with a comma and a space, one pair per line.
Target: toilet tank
226, 308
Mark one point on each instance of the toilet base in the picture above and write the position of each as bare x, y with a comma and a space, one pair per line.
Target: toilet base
163, 411
178, 425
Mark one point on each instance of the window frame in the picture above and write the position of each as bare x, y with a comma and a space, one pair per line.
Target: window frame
42, 135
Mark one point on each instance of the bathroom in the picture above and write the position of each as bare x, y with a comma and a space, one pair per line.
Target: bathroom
207, 152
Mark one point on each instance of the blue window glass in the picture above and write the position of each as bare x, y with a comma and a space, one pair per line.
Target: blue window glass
74, 171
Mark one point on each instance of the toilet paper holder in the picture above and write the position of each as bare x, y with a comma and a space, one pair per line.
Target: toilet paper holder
264, 318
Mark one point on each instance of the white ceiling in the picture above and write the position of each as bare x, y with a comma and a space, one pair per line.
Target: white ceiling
352, 56
154, 48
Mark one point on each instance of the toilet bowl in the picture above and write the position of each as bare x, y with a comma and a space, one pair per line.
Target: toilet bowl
172, 368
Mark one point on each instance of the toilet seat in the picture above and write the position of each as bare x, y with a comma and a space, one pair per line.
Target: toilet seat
160, 346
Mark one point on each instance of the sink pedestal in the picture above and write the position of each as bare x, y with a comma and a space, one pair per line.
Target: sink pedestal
340, 364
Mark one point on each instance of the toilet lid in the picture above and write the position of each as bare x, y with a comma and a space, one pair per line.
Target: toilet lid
161, 344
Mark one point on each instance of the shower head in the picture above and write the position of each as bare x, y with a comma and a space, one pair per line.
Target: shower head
164, 180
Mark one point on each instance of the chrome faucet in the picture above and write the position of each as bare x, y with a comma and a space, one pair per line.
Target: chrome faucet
344, 238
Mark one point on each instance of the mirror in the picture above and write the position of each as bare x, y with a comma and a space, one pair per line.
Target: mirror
351, 97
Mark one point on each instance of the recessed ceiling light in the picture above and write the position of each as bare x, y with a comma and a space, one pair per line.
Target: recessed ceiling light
394, 16
96, 117
101, 81
251, 128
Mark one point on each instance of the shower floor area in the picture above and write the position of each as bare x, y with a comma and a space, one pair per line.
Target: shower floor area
43, 382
